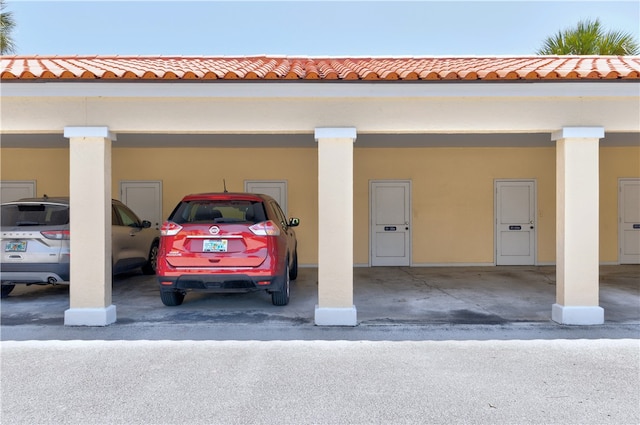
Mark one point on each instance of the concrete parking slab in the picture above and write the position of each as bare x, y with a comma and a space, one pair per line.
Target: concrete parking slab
382, 295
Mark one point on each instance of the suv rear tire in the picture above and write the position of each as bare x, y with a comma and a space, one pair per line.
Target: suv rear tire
293, 272
152, 261
281, 297
171, 298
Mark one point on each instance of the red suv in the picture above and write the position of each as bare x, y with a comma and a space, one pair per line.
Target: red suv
227, 242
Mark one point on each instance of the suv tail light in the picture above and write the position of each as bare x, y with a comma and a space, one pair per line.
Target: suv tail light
56, 234
169, 228
266, 228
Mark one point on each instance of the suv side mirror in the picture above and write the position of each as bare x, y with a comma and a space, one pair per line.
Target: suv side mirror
146, 224
293, 222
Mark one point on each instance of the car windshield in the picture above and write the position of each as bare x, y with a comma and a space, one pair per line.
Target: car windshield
228, 211
13, 215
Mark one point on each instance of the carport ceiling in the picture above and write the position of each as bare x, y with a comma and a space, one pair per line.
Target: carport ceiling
307, 140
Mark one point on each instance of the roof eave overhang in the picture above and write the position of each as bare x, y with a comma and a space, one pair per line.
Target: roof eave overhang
358, 89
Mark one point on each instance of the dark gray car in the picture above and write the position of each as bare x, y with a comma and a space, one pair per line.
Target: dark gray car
34, 239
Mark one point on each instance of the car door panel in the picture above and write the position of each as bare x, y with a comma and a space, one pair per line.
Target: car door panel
129, 243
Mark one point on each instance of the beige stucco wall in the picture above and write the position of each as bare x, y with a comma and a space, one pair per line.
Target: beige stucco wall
615, 163
453, 202
48, 167
194, 170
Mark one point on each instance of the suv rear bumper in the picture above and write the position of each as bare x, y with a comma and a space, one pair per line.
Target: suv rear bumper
34, 273
219, 283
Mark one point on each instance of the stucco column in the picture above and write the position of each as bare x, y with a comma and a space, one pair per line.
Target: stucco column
335, 227
90, 225
577, 226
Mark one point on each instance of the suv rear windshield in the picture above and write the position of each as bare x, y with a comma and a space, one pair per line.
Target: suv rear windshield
206, 211
34, 215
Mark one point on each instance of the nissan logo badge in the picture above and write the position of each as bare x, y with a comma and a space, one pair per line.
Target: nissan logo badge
214, 230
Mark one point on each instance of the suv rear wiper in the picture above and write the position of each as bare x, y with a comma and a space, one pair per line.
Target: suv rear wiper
29, 223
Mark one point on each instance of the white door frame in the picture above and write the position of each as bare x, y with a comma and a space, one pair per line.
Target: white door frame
535, 216
621, 181
409, 218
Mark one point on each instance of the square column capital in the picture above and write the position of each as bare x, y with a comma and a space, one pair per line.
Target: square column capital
578, 133
102, 132
335, 133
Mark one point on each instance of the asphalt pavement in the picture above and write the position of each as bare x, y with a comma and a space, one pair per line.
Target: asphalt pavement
321, 382
437, 346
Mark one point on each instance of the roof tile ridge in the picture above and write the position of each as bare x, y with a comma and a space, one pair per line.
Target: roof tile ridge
348, 69
367, 69
478, 68
265, 69
374, 69
8, 71
95, 64
311, 70
544, 68
626, 64
587, 67
404, 69
566, 67
282, 69
217, 67
440, 69
507, 68
71, 70
326, 70
297, 67
522, 68
607, 69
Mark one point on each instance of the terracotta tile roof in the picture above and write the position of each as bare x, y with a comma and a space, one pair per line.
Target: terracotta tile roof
301, 68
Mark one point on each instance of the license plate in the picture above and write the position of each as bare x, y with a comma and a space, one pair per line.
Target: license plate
214, 245
16, 246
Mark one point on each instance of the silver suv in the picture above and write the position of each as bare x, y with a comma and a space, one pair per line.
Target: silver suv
34, 238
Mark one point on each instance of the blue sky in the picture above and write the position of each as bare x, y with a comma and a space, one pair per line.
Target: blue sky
304, 28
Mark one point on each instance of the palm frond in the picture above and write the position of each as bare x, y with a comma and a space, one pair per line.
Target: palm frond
7, 24
589, 38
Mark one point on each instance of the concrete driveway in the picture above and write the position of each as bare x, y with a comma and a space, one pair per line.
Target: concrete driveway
433, 345
382, 295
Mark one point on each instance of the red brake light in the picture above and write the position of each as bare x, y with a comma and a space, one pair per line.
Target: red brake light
169, 228
266, 228
56, 234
